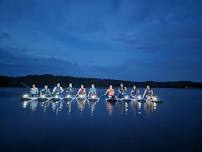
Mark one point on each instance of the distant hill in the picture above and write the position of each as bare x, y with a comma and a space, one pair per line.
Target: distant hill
51, 80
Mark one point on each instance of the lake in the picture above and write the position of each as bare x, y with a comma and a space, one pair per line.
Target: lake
174, 125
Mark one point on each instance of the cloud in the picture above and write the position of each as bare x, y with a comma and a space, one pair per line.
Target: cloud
135, 69
129, 39
21, 63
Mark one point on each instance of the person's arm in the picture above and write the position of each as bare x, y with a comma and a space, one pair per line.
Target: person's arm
49, 93
144, 93
152, 93
106, 91
61, 89
138, 91
41, 92
89, 92
53, 90
125, 90
131, 92
37, 91
78, 92
84, 91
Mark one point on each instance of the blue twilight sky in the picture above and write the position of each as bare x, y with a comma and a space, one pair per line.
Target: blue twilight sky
118, 39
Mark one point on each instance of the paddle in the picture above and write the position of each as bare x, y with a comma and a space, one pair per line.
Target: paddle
26, 86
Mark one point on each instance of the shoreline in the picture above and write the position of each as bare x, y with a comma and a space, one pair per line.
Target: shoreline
51, 80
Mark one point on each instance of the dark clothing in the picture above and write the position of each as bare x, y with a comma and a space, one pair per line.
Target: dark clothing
45, 92
135, 92
121, 91
148, 92
70, 91
57, 90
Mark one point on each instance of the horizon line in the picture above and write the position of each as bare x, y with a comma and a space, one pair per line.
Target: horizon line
98, 78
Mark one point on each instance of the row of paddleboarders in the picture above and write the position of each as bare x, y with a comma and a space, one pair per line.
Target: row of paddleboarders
59, 92
134, 93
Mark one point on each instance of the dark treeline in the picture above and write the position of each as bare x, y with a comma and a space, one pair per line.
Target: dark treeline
51, 80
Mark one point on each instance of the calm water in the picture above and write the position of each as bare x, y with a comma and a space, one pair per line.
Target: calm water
174, 125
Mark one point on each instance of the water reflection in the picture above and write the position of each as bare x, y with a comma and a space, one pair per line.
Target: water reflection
57, 106
25, 104
81, 105
136, 106
110, 107
150, 106
69, 106
33, 105
92, 106
44, 105
124, 108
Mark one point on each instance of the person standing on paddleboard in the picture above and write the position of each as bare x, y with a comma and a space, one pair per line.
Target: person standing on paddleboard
34, 91
110, 92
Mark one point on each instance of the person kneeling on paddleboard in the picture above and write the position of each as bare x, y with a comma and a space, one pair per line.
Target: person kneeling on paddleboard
45, 91
92, 92
148, 93
135, 92
110, 92
34, 91
82, 91
122, 90
70, 90
58, 90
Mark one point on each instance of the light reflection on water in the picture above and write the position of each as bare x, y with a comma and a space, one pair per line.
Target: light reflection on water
123, 108
100, 106
121, 126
